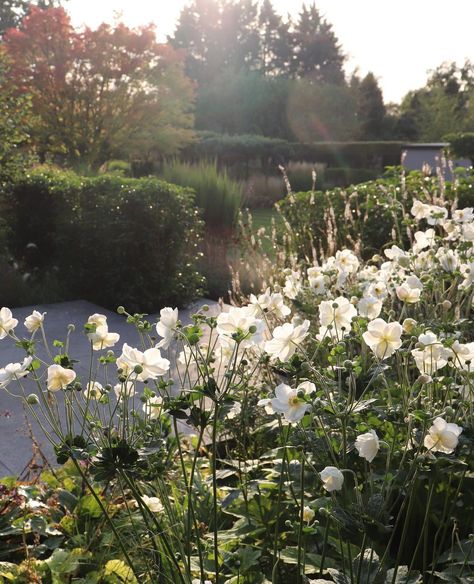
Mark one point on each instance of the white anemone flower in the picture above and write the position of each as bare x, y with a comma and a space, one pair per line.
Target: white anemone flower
153, 407
292, 285
442, 436
407, 294
124, 390
432, 355
93, 390
272, 303
436, 215
166, 325
7, 322
468, 231
395, 253
332, 478
100, 336
308, 514
448, 260
34, 321
151, 362
464, 215
383, 338
241, 321
346, 261
153, 503
424, 239
419, 210
59, 377
288, 403
467, 271
367, 445
14, 371
286, 339
463, 356
369, 307
338, 313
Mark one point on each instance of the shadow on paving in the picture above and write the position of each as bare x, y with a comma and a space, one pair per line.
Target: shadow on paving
16, 446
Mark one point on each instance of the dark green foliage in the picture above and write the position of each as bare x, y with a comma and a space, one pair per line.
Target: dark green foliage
217, 195
365, 216
243, 149
371, 111
244, 103
462, 145
108, 239
316, 53
229, 36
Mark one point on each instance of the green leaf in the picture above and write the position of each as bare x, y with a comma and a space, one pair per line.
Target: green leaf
8, 571
89, 506
117, 571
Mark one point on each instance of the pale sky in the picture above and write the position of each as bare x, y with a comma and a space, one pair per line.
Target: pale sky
399, 40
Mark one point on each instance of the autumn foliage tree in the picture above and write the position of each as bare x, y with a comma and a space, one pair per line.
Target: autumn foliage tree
113, 92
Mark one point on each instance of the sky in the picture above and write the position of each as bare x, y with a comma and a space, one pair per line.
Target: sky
399, 41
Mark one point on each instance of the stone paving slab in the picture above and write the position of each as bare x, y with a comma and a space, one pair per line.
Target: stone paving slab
16, 447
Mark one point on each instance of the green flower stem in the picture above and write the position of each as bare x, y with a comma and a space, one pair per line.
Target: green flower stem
108, 518
300, 530
286, 434
214, 490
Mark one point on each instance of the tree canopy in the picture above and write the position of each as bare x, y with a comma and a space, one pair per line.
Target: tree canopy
99, 94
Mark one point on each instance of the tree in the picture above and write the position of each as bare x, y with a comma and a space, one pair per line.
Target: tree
317, 55
445, 105
12, 11
322, 113
275, 54
15, 124
244, 103
100, 94
371, 111
217, 36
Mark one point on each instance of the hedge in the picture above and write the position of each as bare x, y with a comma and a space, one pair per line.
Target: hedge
242, 149
108, 239
366, 216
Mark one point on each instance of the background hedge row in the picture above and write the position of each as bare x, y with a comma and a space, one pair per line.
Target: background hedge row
367, 216
243, 149
107, 239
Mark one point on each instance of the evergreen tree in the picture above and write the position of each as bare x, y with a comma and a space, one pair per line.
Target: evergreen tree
218, 36
275, 41
317, 55
371, 111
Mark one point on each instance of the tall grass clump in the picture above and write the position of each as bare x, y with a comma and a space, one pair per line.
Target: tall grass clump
217, 194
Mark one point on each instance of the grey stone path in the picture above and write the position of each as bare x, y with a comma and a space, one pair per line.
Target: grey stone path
15, 443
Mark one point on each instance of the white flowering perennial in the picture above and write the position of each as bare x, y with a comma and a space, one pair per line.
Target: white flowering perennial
142, 365
291, 402
286, 339
166, 326
442, 436
383, 338
100, 336
367, 445
343, 389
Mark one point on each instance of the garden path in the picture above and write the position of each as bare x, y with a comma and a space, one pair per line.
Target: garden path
16, 448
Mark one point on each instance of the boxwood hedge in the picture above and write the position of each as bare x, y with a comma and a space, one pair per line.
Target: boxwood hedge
107, 239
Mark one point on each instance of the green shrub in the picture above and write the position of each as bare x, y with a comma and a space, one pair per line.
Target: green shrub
462, 145
366, 216
242, 149
219, 197
108, 239
118, 167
